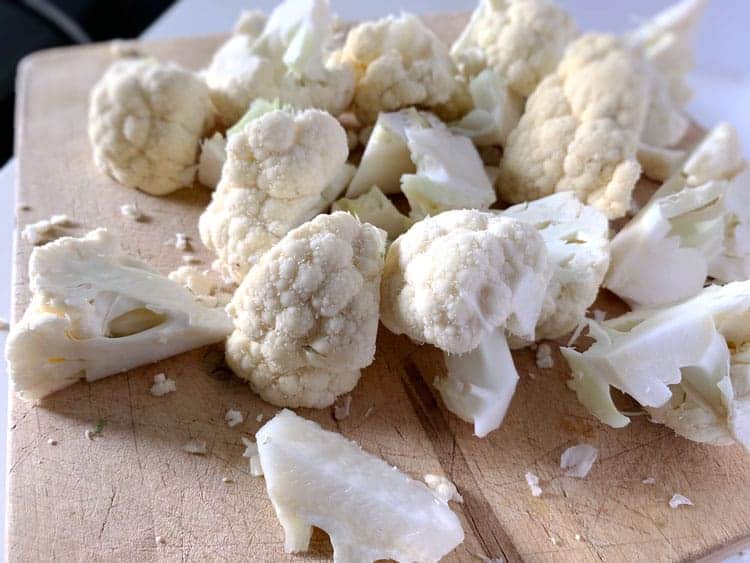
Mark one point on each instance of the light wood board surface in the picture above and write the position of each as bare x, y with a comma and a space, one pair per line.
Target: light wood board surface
111, 498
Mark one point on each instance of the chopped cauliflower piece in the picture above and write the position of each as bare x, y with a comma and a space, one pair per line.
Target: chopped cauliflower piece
182, 242
39, 232
233, 418
687, 365
342, 408
443, 488
204, 285
195, 447
521, 40
679, 500
131, 211
649, 481
60, 221
533, 482
578, 460
162, 385
213, 155
306, 316
659, 163
277, 174
666, 124
717, 157
369, 509
251, 452
375, 208
399, 62
544, 359
95, 312
146, 119
578, 133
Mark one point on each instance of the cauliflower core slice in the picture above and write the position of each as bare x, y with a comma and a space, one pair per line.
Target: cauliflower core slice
370, 510
399, 63
306, 316
278, 174
146, 120
578, 133
375, 208
96, 312
688, 365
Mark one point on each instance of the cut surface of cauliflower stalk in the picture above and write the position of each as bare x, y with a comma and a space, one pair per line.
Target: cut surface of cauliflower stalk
578, 133
145, 123
695, 225
306, 315
461, 280
281, 169
688, 365
370, 510
375, 208
95, 312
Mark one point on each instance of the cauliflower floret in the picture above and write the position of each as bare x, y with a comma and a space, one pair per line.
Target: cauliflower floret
213, 155
578, 132
306, 316
522, 40
206, 286
277, 169
146, 120
399, 62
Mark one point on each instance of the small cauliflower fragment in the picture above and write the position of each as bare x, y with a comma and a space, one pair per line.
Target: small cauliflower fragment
521, 40
146, 120
342, 408
679, 500
95, 312
195, 447
204, 285
399, 62
578, 133
578, 460
319, 478
181, 242
213, 155
131, 211
375, 208
533, 482
649, 481
544, 359
443, 488
162, 385
233, 417
39, 232
60, 220
251, 452
306, 315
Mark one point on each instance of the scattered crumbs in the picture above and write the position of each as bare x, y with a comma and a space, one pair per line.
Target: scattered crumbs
577, 461
544, 358
227, 480
578, 537
443, 488
4, 324
368, 412
259, 418
679, 500
195, 447
190, 259
161, 540
342, 407
251, 452
533, 481
37, 233
60, 220
162, 385
576, 333
233, 418
182, 242
649, 481
97, 429
53, 442
131, 211
599, 315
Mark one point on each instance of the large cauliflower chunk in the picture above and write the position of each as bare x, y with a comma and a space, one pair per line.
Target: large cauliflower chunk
578, 132
146, 120
521, 40
275, 177
95, 312
306, 316
399, 63
285, 58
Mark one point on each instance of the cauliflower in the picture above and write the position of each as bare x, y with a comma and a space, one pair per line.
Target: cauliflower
286, 59
687, 230
213, 155
687, 365
146, 120
306, 316
577, 239
205, 285
375, 208
665, 124
578, 132
521, 40
277, 175
459, 281
95, 312
371, 510
659, 163
399, 62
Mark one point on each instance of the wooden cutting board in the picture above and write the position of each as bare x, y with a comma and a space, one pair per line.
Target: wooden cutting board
132, 494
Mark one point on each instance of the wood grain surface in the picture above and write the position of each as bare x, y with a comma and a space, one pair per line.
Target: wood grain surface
132, 494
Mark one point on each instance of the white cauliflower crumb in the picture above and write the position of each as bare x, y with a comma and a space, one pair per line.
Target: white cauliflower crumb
52, 442
195, 447
599, 315
251, 452
577, 460
578, 537
544, 359
533, 481
39, 232
649, 481
233, 418
89, 434
190, 259
162, 385
131, 211
342, 408
60, 220
181, 242
161, 540
679, 500
259, 418
443, 488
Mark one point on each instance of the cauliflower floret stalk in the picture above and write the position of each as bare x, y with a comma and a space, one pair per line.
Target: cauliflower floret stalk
577, 239
375, 208
306, 316
461, 280
694, 226
687, 365
435, 169
95, 312
287, 59
146, 120
578, 133
370, 510
399, 62
282, 168
521, 40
